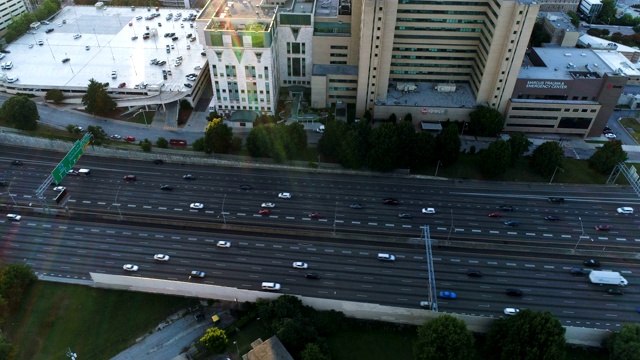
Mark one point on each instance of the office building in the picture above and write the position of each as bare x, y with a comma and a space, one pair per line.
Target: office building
8, 10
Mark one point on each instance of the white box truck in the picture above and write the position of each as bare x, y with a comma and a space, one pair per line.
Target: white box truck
607, 278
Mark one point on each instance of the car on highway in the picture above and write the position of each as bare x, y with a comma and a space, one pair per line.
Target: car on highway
512, 223
591, 263
390, 201
129, 138
312, 275
161, 257
264, 212
495, 214
130, 178
223, 244
316, 215
16, 162
624, 210
514, 292
130, 267
268, 205
447, 295
59, 188
474, 273
197, 206
356, 206
603, 227
557, 200
14, 217
506, 208
284, 195
158, 162
166, 187
386, 257
425, 305
245, 187
404, 216
271, 286
428, 210
577, 272
300, 265
510, 311
188, 177
73, 173
614, 292
197, 274
552, 218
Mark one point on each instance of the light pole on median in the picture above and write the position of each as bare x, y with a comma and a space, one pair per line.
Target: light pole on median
581, 235
554, 173
335, 216
223, 218
437, 166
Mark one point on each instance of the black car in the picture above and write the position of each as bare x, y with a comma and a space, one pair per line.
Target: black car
506, 208
48, 30
512, 223
174, 38
65, 60
187, 85
474, 273
356, 206
245, 187
189, 177
404, 216
578, 272
166, 187
514, 292
557, 200
312, 275
390, 201
16, 162
158, 162
552, 218
591, 263
614, 292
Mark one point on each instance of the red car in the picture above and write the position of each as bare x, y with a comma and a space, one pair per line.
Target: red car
130, 138
316, 215
130, 178
495, 214
122, 85
264, 212
603, 227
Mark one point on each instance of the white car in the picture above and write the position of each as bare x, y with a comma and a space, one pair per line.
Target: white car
625, 210
161, 257
300, 265
270, 286
610, 135
268, 205
14, 217
116, 137
511, 311
73, 173
223, 244
59, 188
197, 206
428, 210
425, 304
284, 195
12, 79
130, 267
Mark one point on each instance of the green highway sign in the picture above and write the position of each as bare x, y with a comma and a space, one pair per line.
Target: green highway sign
69, 160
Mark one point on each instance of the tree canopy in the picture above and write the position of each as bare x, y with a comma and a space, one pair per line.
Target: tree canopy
215, 340
546, 157
528, 335
486, 121
519, 145
217, 137
607, 157
448, 145
495, 160
96, 100
280, 142
625, 343
21, 112
444, 338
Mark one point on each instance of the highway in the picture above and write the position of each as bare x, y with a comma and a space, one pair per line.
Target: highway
349, 270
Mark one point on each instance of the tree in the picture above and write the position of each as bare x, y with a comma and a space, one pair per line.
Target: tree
519, 145
217, 137
444, 338
98, 134
54, 95
6, 348
408, 118
625, 343
575, 19
486, 121
215, 340
384, 153
448, 145
198, 144
546, 158
21, 112
257, 141
608, 12
146, 145
607, 157
14, 280
96, 100
528, 335
539, 36
393, 118
313, 352
185, 105
297, 139
424, 150
295, 334
494, 161
333, 136
406, 134
162, 143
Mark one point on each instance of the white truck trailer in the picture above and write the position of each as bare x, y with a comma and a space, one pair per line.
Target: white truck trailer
607, 278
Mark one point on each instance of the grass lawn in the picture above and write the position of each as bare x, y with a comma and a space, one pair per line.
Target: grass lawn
373, 345
246, 336
94, 323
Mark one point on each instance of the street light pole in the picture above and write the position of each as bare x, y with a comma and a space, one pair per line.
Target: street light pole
581, 235
223, 218
237, 350
437, 166
9, 192
335, 216
554, 173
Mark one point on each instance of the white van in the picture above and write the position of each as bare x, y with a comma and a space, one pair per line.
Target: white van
85, 172
270, 286
386, 257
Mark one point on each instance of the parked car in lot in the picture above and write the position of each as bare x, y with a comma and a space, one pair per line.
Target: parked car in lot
130, 139
122, 85
447, 295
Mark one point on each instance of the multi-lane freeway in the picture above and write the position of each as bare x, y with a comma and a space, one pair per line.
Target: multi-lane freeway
73, 247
